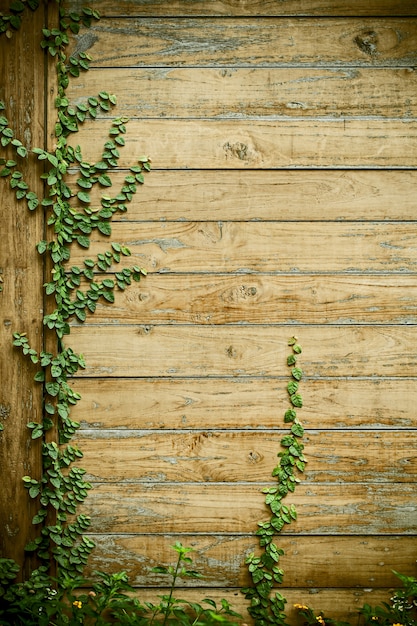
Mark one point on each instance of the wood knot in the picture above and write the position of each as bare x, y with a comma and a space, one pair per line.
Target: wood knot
4, 411
367, 42
254, 457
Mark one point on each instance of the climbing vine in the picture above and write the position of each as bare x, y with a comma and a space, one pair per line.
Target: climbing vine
267, 607
72, 216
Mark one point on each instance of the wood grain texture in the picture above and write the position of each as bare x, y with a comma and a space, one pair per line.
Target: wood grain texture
270, 195
282, 201
330, 509
246, 247
253, 8
241, 144
147, 351
21, 299
309, 561
245, 456
265, 42
254, 404
255, 93
264, 299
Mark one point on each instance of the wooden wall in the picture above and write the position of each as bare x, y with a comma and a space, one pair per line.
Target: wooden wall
282, 201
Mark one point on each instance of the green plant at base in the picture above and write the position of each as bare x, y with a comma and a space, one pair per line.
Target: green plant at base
110, 601
402, 609
267, 607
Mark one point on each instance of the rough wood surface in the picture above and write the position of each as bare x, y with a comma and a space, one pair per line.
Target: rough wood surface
254, 404
243, 144
245, 456
270, 195
252, 8
246, 247
21, 300
176, 42
309, 561
323, 509
141, 350
265, 93
264, 299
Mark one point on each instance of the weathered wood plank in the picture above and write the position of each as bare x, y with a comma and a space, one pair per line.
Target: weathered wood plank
330, 509
265, 195
147, 351
309, 561
245, 404
22, 68
242, 144
261, 93
254, 8
264, 299
245, 247
336, 42
238, 456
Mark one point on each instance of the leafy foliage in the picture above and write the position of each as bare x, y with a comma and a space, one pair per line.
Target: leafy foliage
109, 601
72, 217
12, 21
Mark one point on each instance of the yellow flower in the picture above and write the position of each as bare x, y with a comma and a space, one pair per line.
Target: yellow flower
77, 604
301, 607
397, 625
320, 620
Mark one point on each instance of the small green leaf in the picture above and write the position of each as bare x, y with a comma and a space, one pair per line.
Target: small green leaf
104, 227
83, 241
292, 386
297, 373
83, 196
105, 180
290, 415
297, 400
297, 430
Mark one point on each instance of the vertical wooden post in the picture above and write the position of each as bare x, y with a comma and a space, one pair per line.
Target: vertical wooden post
23, 69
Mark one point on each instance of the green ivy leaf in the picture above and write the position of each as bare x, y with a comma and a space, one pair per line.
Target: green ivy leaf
105, 180
83, 196
292, 387
83, 241
104, 227
297, 430
290, 415
297, 400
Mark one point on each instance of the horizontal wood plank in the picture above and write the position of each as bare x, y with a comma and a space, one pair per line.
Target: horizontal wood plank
254, 8
329, 509
237, 456
242, 144
264, 299
267, 42
202, 351
309, 561
256, 93
245, 247
244, 404
269, 195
